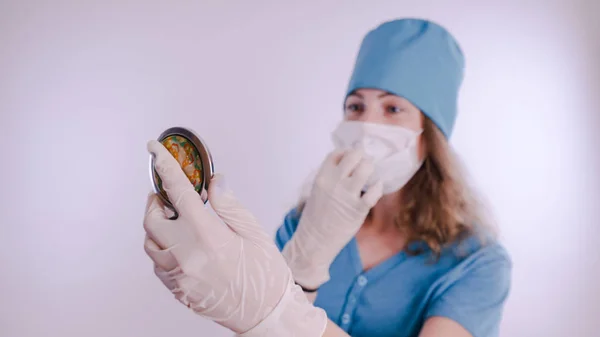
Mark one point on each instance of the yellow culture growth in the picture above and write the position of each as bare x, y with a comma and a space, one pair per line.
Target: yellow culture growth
188, 158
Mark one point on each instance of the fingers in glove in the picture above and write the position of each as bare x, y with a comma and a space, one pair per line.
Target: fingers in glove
155, 215
359, 177
161, 258
333, 160
165, 232
373, 194
155, 207
195, 221
180, 190
349, 162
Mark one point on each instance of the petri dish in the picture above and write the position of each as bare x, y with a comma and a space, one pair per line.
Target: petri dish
194, 158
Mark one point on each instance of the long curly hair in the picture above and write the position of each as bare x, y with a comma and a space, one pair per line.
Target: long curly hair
439, 207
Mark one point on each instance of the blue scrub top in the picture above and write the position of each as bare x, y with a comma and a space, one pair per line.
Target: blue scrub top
395, 297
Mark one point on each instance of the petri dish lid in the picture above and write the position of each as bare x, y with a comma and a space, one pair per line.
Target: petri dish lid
193, 156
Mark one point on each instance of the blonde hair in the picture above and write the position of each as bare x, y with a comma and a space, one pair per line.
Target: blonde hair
439, 207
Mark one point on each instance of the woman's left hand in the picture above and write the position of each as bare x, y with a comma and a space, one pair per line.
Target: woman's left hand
224, 266
334, 212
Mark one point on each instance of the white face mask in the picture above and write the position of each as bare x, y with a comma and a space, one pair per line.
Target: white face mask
392, 148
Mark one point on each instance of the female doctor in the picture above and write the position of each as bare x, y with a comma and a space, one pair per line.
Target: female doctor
390, 240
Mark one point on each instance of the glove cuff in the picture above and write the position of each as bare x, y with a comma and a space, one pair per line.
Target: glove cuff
306, 290
293, 316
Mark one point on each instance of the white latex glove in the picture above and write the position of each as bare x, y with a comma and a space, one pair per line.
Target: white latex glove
225, 267
333, 214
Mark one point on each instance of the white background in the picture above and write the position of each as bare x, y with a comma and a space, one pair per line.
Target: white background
85, 84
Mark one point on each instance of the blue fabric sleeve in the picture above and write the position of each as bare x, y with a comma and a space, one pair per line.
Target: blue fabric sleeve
287, 229
474, 292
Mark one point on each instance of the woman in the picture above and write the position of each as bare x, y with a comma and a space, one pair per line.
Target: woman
389, 241
423, 253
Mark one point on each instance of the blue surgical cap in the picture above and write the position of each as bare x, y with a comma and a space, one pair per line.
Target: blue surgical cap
415, 59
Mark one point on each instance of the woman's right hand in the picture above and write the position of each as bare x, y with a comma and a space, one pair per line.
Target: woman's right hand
223, 266
333, 214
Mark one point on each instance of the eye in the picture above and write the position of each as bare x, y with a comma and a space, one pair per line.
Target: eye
392, 109
353, 108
